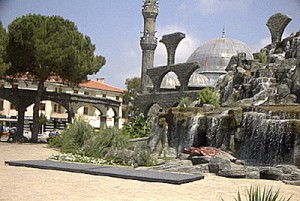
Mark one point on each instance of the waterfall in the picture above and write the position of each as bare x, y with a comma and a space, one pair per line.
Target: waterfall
267, 140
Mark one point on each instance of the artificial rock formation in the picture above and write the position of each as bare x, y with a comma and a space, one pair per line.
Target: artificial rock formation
259, 118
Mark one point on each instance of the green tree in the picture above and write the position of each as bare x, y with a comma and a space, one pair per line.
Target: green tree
3, 45
133, 86
43, 46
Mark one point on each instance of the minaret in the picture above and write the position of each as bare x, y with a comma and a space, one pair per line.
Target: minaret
148, 40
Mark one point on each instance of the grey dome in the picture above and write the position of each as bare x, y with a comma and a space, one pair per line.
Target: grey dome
214, 55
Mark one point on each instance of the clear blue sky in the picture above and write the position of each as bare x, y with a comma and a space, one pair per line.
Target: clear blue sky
115, 26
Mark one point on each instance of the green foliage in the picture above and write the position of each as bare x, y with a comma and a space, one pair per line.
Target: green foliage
55, 142
133, 86
208, 96
3, 45
43, 119
263, 57
42, 46
79, 143
256, 194
138, 127
76, 135
107, 140
185, 102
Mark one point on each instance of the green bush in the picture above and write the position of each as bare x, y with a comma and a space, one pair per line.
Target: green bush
263, 57
76, 135
256, 194
208, 96
55, 142
107, 140
138, 127
185, 102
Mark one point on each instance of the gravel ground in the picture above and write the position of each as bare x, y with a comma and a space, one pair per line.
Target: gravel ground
21, 183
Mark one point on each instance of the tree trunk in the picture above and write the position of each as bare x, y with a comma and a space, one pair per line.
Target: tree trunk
20, 126
36, 116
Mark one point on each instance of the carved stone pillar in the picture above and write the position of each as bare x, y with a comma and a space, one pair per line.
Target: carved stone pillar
171, 42
276, 25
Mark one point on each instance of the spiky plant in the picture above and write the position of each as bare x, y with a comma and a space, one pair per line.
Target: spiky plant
106, 140
256, 194
76, 135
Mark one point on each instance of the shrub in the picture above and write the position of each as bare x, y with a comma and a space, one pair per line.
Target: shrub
256, 194
106, 140
184, 102
142, 157
76, 135
138, 127
208, 96
55, 142
263, 57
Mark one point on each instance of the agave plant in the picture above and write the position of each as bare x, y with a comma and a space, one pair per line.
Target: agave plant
256, 194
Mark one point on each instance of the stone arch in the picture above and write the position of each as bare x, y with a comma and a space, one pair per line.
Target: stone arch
183, 72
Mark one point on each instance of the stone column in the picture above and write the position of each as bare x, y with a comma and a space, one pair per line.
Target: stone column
103, 121
71, 115
171, 42
116, 121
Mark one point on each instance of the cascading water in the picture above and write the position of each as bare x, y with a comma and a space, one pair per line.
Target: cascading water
185, 132
266, 140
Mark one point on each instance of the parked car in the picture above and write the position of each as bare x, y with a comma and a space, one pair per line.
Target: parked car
54, 134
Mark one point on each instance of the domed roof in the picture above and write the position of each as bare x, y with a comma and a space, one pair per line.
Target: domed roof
198, 80
214, 55
169, 82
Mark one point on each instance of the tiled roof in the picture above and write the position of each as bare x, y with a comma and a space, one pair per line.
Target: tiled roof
98, 85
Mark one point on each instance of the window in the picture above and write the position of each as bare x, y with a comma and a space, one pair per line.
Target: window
55, 107
85, 110
43, 106
12, 106
75, 91
86, 93
14, 86
117, 97
104, 95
